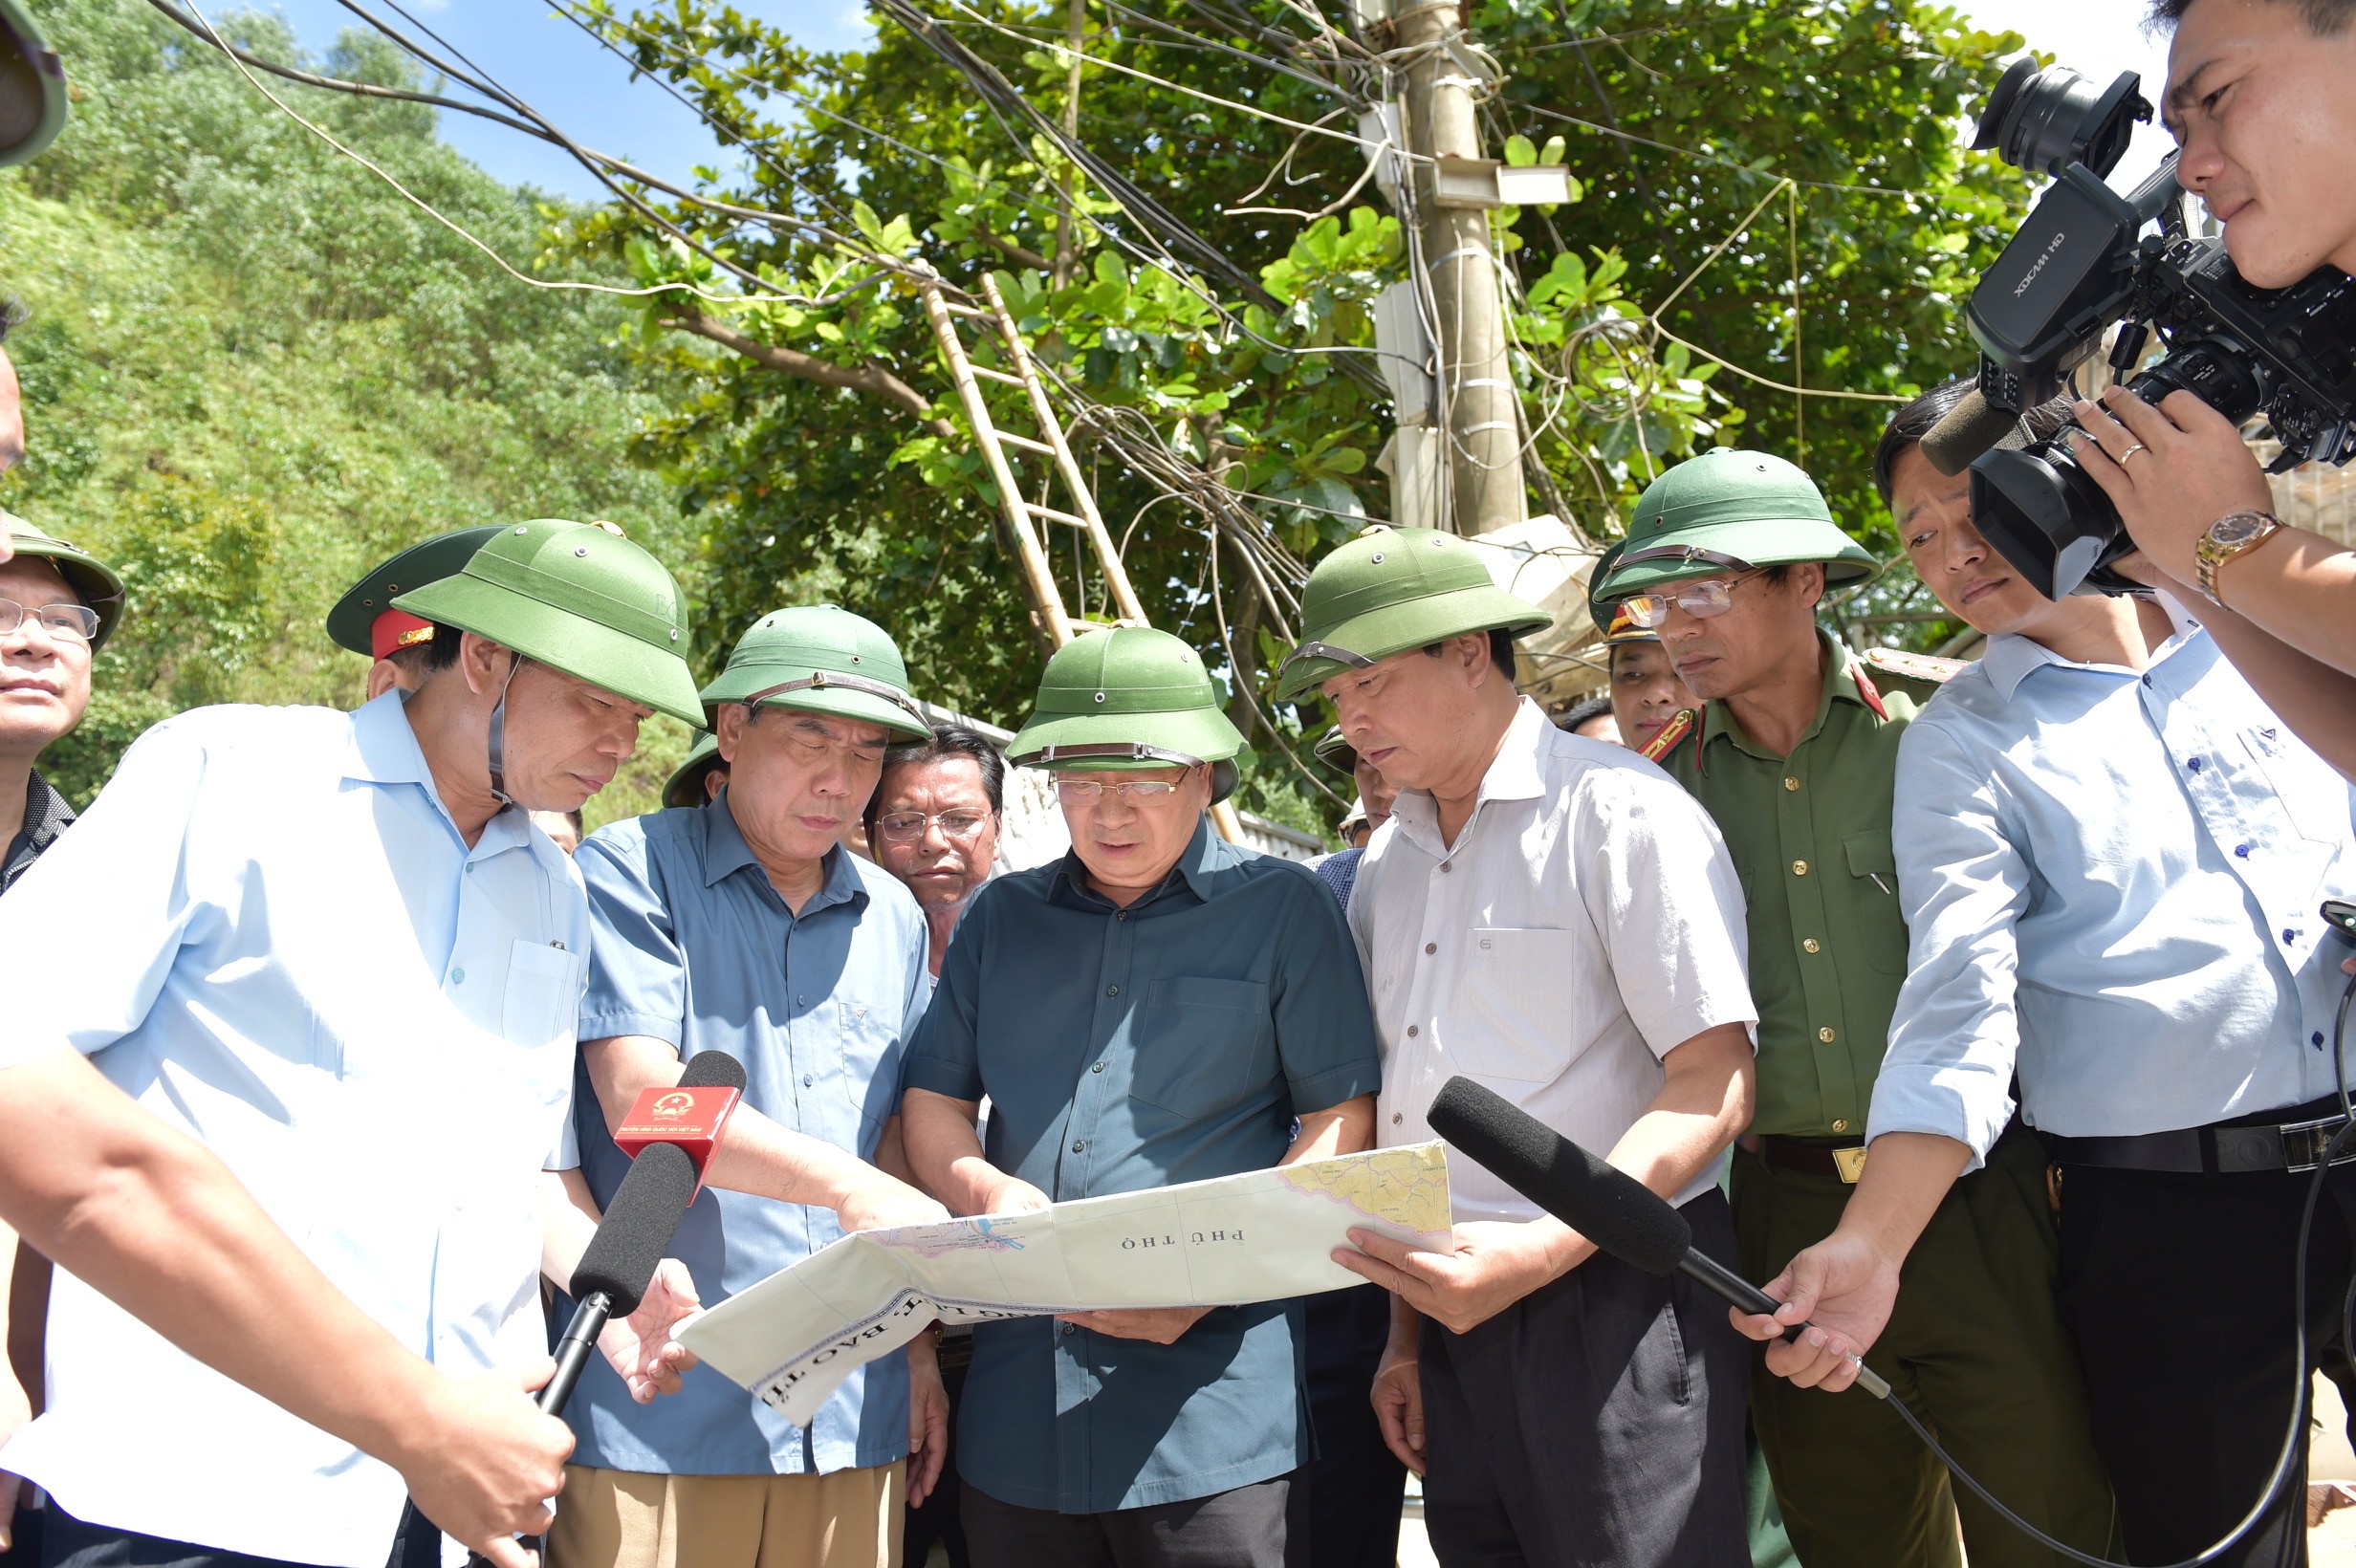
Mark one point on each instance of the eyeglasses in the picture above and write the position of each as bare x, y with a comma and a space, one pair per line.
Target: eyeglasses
905, 827
73, 622
1710, 597
1143, 792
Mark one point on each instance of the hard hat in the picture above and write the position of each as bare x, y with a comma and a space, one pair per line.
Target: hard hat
825, 660
93, 581
1729, 510
1126, 700
1389, 590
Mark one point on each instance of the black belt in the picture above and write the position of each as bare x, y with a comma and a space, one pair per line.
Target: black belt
1842, 1163
2225, 1148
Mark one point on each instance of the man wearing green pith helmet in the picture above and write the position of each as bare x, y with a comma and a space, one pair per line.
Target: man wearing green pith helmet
1794, 753
1157, 1007
1548, 915
333, 947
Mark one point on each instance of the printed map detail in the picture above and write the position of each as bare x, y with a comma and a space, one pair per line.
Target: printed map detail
1260, 1236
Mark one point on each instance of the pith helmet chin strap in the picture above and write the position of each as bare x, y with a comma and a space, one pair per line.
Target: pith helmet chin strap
498, 736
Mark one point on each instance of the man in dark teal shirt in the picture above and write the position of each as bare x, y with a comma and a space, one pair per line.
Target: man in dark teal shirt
1158, 1007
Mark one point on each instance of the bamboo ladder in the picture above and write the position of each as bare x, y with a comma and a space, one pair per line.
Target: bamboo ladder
1027, 519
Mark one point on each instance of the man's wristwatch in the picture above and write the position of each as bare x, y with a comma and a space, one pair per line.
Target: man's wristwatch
2237, 534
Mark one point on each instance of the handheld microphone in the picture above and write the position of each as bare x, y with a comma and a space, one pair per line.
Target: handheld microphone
620, 1261
1600, 1202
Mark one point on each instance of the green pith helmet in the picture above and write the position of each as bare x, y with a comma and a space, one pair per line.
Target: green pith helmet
31, 88
577, 598
686, 787
1127, 700
825, 660
1729, 510
1389, 590
352, 623
92, 580
1335, 751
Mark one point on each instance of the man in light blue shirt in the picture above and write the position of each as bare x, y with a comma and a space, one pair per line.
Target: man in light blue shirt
332, 947
744, 925
2112, 856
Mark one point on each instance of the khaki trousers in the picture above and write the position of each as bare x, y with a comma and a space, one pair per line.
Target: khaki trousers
625, 1520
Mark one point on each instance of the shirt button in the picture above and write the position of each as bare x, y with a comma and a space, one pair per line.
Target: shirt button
1812, 946
1824, 1035
1071, 1328
2242, 851
2316, 1039
1414, 1030
458, 977
1431, 947
1446, 865
1799, 868
1079, 1146
1791, 783
2288, 935
2147, 680
1112, 990
1098, 1068
1396, 1118
1840, 1125
2192, 763
808, 1081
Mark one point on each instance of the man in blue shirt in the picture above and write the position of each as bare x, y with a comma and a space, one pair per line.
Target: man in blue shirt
743, 926
2111, 856
1157, 1007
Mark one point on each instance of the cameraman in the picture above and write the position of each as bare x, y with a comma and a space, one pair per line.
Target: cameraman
2109, 859
2259, 103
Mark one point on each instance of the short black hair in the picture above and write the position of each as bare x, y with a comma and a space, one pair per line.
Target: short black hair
11, 314
443, 651
1500, 652
2324, 17
1579, 713
1914, 421
947, 740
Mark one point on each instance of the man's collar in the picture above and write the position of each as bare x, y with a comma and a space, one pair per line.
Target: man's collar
2012, 659
46, 813
726, 853
1204, 854
1844, 671
384, 748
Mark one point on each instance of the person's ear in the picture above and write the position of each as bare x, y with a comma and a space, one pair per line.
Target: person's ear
1811, 583
483, 662
383, 675
730, 729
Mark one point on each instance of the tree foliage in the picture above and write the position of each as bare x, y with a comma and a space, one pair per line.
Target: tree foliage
252, 369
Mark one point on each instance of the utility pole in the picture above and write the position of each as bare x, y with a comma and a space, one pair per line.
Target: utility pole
1067, 221
1477, 400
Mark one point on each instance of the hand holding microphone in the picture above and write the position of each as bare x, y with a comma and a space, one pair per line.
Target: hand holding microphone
1606, 1205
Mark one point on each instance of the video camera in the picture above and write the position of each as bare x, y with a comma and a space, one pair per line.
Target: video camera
2081, 262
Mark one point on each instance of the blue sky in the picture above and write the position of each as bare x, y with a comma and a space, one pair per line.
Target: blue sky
554, 67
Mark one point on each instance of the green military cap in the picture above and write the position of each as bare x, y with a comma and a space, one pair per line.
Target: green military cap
1124, 700
1729, 510
686, 786
578, 598
93, 581
365, 620
33, 92
823, 659
1389, 590
1333, 750
1612, 619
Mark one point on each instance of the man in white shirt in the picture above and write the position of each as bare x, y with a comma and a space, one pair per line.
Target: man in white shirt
1555, 918
400, 1107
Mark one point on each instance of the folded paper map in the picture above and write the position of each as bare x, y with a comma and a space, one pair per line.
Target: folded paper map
1260, 1236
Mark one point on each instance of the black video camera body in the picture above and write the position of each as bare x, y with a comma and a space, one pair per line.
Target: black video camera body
2081, 262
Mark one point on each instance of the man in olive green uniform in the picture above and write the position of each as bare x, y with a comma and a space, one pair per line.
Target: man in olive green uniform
1793, 751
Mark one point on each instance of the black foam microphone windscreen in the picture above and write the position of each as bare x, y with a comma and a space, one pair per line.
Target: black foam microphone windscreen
1601, 1202
1969, 429
621, 1259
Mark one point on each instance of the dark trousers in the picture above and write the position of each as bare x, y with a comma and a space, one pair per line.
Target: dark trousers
1596, 1422
2179, 1291
1356, 1486
937, 1523
68, 1542
1976, 1346
1258, 1526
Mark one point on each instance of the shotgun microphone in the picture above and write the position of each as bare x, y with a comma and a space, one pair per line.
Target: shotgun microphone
1600, 1202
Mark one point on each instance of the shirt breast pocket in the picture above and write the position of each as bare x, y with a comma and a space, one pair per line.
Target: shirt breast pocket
539, 1012
1881, 924
2316, 798
870, 1068
1512, 1027
1199, 1045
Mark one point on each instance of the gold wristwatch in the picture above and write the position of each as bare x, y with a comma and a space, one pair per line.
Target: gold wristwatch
2237, 534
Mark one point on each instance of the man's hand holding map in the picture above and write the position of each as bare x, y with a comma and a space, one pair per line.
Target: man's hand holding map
1258, 1236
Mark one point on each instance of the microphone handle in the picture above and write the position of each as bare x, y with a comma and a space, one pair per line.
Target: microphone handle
573, 1353
1750, 1298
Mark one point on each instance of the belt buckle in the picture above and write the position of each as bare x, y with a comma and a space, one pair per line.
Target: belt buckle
2303, 1143
1851, 1163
